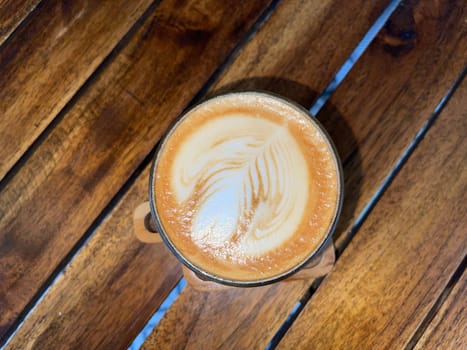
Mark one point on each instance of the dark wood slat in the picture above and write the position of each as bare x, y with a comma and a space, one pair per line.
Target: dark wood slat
448, 329
100, 300
49, 59
55, 196
44, 327
12, 13
373, 116
404, 255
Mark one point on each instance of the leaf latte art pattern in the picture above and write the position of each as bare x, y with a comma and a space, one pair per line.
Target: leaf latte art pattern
242, 188
246, 186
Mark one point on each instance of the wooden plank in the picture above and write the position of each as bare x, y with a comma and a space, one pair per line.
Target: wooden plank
49, 203
12, 13
49, 59
98, 301
448, 329
301, 49
403, 257
45, 327
394, 102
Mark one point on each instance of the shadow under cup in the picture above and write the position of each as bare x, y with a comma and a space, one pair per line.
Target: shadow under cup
202, 273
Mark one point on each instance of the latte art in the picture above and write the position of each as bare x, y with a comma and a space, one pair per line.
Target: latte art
246, 186
235, 185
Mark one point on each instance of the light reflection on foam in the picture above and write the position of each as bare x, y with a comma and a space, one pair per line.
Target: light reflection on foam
237, 183
253, 183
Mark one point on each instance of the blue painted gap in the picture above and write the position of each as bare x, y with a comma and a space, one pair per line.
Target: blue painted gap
455, 278
154, 320
106, 62
261, 20
285, 326
83, 241
314, 110
401, 161
353, 58
257, 25
372, 203
297, 309
10, 337
61, 270
340, 75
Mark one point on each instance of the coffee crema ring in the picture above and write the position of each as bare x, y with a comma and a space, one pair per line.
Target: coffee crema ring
246, 186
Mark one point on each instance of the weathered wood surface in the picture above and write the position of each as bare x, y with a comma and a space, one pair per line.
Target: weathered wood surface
12, 14
373, 117
108, 292
400, 262
43, 327
51, 201
114, 283
49, 59
448, 329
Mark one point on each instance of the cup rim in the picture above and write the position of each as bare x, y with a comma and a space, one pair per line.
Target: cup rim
232, 282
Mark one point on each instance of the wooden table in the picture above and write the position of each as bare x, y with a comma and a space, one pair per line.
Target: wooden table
88, 87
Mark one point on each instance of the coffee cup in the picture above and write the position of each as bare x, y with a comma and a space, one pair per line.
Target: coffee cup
245, 190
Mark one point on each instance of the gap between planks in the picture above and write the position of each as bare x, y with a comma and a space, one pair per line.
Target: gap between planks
8, 33
366, 212
58, 271
77, 95
314, 109
42, 291
455, 278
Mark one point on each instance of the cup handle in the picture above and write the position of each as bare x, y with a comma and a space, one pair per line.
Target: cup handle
319, 266
198, 283
143, 225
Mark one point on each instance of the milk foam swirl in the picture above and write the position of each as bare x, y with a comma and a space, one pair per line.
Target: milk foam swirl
242, 183
246, 187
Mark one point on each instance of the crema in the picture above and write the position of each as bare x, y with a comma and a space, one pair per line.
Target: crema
246, 186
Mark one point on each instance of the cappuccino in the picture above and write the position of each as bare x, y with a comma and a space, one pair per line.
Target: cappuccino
246, 186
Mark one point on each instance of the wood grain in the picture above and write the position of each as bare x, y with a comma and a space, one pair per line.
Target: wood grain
49, 59
58, 295
45, 327
403, 257
448, 329
52, 200
301, 48
97, 302
387, 102
372, 118
12, 13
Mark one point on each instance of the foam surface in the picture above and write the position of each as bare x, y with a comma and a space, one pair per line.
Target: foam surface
246, 186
